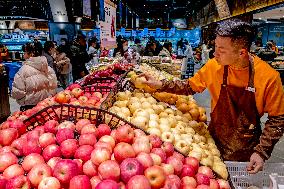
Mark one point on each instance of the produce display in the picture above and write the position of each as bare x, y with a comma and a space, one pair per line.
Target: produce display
112, 70
185, 130
83, 156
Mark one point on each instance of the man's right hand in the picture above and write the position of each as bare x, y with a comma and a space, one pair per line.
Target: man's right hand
151, 81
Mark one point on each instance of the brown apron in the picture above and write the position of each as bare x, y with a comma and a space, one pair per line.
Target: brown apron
235, 121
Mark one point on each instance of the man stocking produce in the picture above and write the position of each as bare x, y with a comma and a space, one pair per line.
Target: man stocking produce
243, 88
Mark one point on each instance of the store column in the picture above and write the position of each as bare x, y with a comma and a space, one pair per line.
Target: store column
60, 27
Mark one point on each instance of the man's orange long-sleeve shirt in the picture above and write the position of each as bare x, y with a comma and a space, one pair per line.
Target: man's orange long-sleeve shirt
269, 93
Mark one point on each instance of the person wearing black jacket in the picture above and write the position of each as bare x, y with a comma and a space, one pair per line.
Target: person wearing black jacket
79, 57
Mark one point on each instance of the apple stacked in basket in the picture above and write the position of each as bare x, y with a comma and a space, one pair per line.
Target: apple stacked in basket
83, 156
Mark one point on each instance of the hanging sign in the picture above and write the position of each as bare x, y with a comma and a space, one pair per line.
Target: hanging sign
108, 27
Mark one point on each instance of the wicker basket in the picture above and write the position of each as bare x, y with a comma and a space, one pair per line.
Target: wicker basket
241, 179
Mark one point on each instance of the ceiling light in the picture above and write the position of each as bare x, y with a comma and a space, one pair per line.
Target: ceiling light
158, 18
148, 12
144, 5
259, 18
166, 5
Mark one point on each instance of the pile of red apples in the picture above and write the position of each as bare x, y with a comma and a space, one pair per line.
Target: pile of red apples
83, 156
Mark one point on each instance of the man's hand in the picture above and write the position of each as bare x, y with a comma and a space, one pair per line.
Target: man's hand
255, 164
151, 81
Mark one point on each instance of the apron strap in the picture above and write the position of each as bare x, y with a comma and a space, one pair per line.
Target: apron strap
225, 75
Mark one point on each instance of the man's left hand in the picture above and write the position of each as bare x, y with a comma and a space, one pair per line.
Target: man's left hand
256, 163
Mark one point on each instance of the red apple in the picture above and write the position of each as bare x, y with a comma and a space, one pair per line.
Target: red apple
223, 184
206, 171
95, 180
179, 156
65, 170
100, 155
90, 169
138, 182
156, 141
156, 159
3, 182
193, 162
188, 181
138, 133
87, 139
145, 159
109, 170
49, 183
62, 97
64, 134
6, 149
107, 184
187, 170
202, 179
203, 186
84, 152
68, 148
18, 182
17, 146
38, 172
81, 123
40, 129
122, 151
66, 124
168, 148
214, 184
46, 139
7, 159
156, 176
109, 140
168, 168
103, 129
176, 163
172, 182
19, 125
51, 126
88, 129
142, 144
83, 99
33, 135
7, 136
31, 160
73, 86
124, 134
129, 168
51, 151
77, 92
30, 147
80, 182
101, 144
80, 165
13, 171
160, 152
52, 162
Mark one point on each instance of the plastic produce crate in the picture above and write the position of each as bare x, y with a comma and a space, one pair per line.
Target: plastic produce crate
241, 179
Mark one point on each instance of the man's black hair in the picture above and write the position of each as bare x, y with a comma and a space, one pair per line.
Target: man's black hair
167, 45
31, 49
48, 45
237, 30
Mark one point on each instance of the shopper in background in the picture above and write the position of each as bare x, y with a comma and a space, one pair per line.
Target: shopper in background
150, 49
122, 48
267, 54
64, 47
138, 46
35, 81
92, 48
243, 88
274, 47
63, 68
38, 45
49, 52
79, 57
205, 53
167, 50
158, 47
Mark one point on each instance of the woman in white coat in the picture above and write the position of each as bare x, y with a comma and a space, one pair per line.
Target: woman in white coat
35, 81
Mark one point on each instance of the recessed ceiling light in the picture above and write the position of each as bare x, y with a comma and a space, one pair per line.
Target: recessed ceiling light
166, 5
148, 12
259, 18
144, 5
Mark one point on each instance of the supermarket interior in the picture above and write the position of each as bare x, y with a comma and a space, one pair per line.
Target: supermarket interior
146, 94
